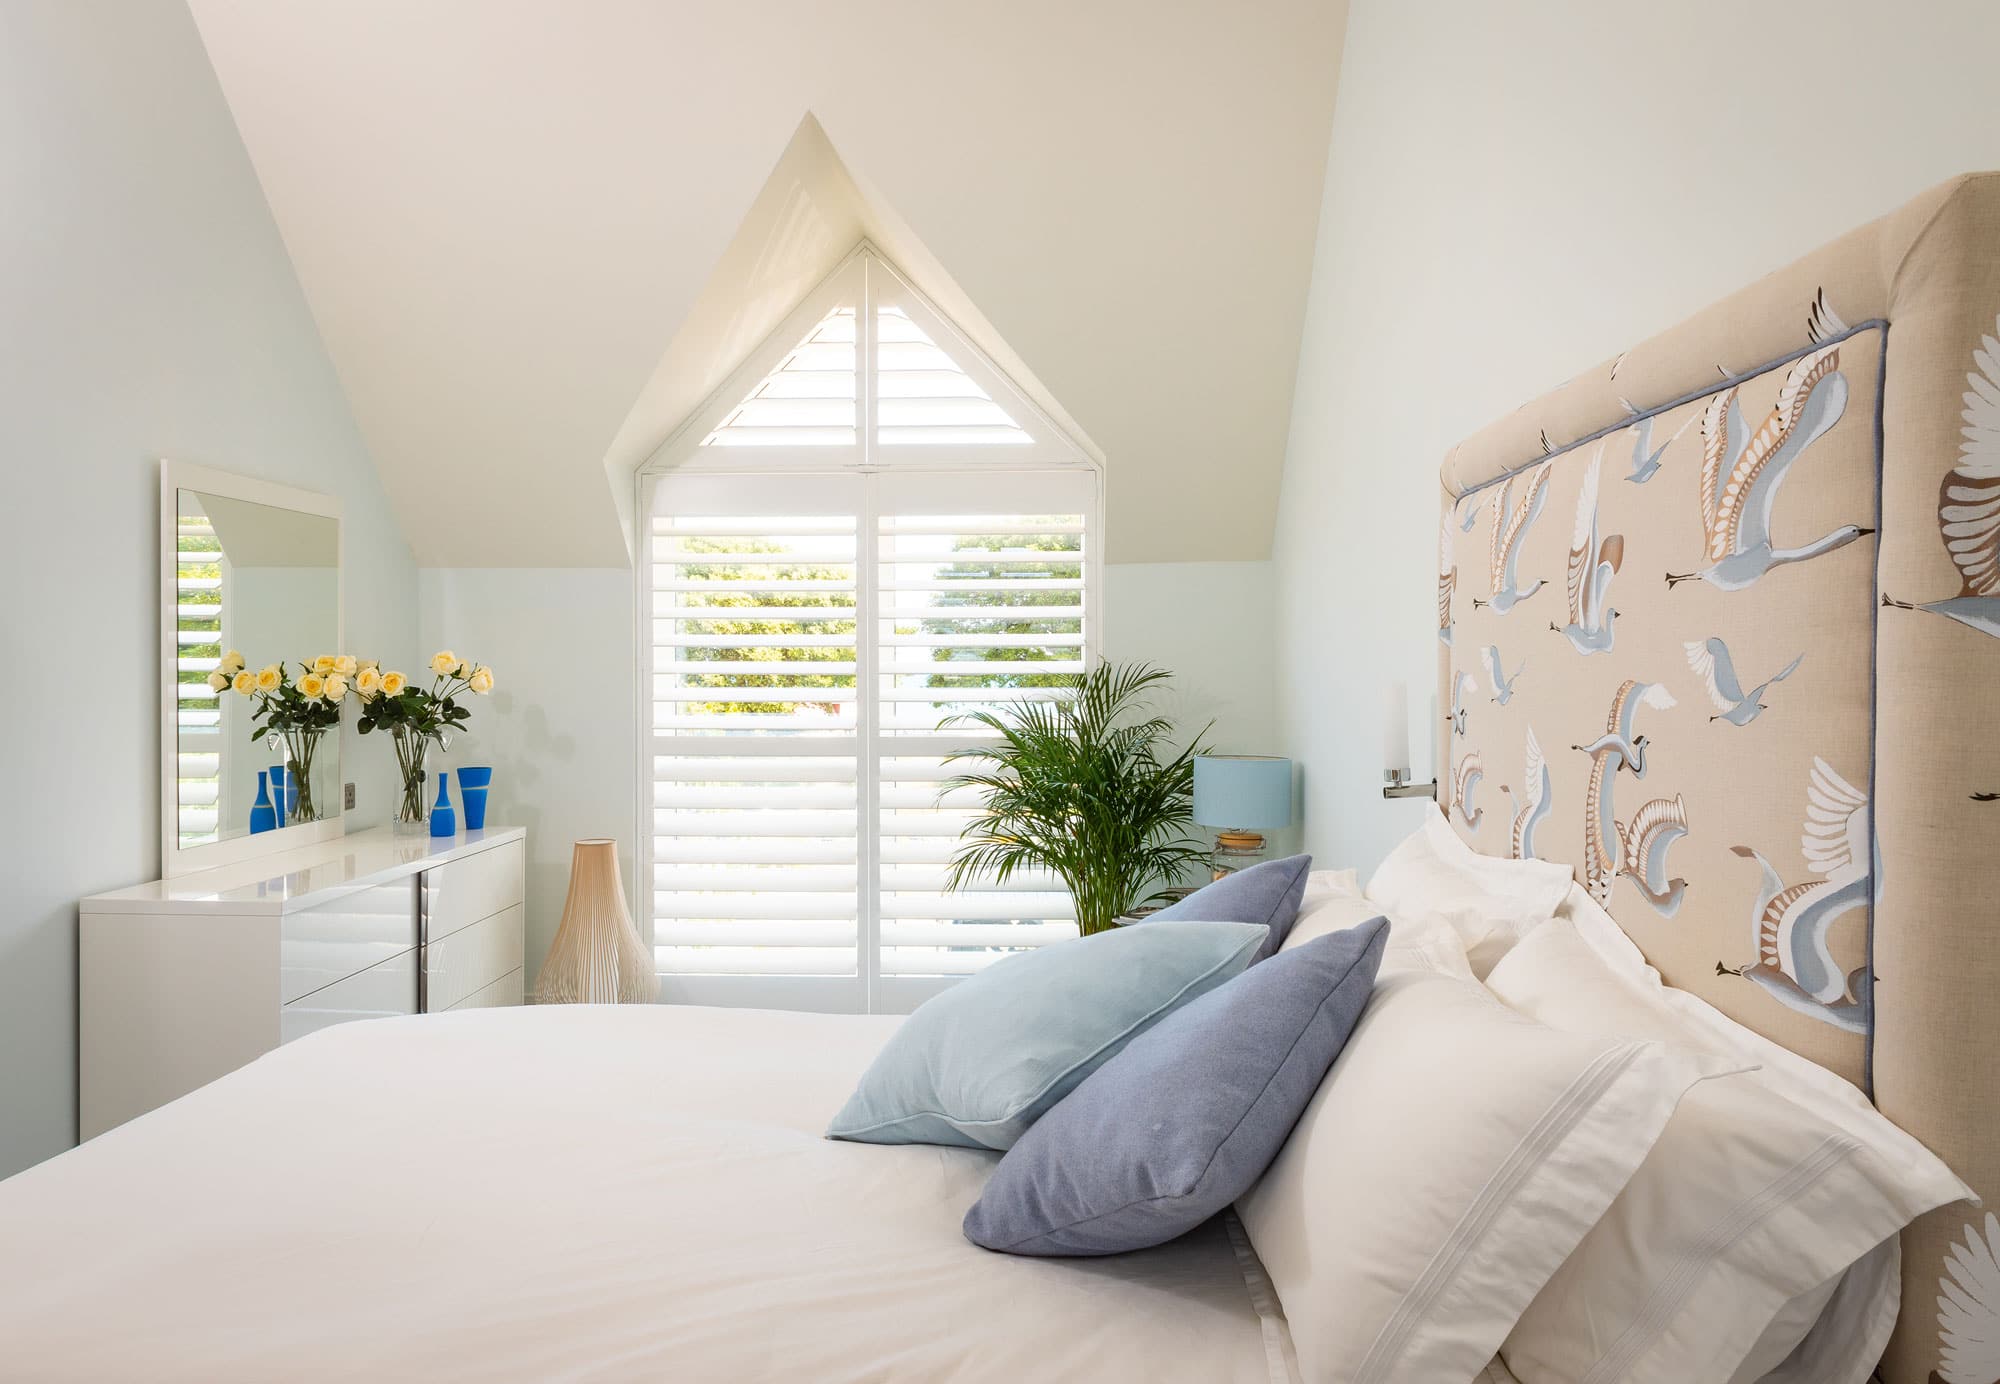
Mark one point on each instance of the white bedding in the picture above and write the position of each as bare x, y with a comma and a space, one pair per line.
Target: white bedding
573, 1193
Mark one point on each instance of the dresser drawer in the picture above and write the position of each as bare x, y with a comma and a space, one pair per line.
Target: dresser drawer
318, 946
472, 958
461, 892
502, 993
389, 987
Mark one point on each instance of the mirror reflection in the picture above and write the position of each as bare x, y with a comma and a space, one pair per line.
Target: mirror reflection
261, 582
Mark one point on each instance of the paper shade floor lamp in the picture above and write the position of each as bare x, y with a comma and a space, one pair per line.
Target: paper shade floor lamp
597, 957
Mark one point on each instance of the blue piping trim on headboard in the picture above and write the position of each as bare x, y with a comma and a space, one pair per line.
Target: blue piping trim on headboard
1874, 721
1726, 382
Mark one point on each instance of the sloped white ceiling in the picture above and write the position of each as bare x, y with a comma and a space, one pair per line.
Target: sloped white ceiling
505, 213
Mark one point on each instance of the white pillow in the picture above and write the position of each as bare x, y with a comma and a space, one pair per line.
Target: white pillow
1715, 1260
1452, 1158
1433, 946
1490, 901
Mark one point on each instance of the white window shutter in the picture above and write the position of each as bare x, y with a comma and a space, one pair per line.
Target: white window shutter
199, 633
867, 533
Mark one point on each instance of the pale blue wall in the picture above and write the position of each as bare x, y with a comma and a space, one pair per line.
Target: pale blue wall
147, 309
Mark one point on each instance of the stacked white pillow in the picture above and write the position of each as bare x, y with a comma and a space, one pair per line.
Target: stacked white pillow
1473, 1172
1453, 1157
1764, 1197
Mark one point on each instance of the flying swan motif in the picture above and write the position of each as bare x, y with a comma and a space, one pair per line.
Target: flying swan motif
1461, 685
1969, 503
1741, 473
1793, 922
1503, 686
1645, 456
1638, 848
1510, 526
1969, 1308
1447, 582
1463, 782
1534, 805
1709, 658
1591, 567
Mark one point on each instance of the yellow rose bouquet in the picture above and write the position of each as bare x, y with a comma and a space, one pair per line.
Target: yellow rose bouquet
290, 715
418, 717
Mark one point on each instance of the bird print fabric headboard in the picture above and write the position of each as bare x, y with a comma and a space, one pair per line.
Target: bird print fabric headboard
1719, 627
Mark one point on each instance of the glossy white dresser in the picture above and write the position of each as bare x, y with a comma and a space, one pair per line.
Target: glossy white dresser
184, 980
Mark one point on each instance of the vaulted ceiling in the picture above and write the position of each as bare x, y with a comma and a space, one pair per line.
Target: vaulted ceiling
536, 234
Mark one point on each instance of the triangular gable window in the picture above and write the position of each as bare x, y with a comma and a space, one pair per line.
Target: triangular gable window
868, 364
923, 397
809, 400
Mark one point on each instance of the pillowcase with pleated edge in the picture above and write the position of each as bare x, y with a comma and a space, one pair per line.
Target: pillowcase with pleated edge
1762, 1228
1453, 1156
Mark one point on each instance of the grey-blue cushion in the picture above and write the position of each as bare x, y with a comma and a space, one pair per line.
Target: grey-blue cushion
978, 1064
1184, 1120
1268, 893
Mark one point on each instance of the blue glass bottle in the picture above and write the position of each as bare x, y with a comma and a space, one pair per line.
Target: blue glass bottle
263, 817
444, 821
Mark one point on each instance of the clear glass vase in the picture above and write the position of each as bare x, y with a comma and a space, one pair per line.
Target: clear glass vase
413, 749
296, 750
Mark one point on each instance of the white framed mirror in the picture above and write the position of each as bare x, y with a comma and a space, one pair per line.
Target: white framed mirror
251, 567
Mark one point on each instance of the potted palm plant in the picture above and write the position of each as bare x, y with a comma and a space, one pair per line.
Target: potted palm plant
1089, 788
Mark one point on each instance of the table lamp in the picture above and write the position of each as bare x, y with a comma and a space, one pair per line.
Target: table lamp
1242, 796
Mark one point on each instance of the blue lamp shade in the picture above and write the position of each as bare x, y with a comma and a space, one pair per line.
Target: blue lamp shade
1252, 791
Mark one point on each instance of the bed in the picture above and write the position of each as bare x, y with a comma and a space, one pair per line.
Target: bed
566, 1193
1753, 722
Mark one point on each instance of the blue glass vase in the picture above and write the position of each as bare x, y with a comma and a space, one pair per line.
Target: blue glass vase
444, 821
263, 817
473, 783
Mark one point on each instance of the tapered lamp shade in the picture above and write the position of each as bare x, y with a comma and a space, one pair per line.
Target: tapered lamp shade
1252, 791
597, 957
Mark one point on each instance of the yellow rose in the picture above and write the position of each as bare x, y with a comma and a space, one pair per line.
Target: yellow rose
336, 688
245, 683
368, 663
218, 681
482, 679
443, 662
463, 670
344, 665
268, 677
393, 683
232, 663
324, 664
312, 684
367, 682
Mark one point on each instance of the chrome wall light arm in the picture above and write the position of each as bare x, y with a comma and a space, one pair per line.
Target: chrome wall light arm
1396, 784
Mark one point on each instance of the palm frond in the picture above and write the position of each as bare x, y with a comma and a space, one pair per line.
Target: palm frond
1090, 788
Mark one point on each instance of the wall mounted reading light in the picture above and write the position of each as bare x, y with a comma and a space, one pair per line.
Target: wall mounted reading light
1396, 776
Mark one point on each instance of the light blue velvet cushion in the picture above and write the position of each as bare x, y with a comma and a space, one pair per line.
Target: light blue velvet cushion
980, 1063
1268, 893
1184, 1120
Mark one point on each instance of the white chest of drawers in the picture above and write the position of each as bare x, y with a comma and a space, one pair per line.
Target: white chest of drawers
183, 980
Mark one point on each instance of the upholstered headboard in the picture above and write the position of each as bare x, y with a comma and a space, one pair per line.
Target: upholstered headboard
1720, 628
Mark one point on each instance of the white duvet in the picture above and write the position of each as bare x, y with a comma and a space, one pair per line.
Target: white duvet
572, 1193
